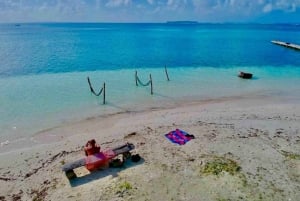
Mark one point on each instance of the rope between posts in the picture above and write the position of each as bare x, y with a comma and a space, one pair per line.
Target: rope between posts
98, 94
92, 89
141, 83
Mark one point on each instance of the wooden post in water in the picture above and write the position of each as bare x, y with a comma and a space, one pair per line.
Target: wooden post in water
167, 73
88, 79
90, 85
151, 84
136, 84
104, 93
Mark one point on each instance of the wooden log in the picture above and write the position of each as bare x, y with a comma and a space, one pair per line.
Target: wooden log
70, 166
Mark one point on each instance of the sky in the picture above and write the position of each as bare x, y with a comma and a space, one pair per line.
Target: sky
211, 11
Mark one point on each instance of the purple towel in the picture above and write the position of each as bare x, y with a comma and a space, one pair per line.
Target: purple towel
179, 136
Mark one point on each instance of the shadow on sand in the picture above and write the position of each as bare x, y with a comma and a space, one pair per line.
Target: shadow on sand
98, 174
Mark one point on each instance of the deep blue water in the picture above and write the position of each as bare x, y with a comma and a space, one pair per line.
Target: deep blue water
69, 47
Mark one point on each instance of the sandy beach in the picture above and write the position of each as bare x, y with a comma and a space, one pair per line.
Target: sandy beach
244, 149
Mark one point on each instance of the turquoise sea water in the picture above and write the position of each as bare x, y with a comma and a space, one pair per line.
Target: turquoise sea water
43, 68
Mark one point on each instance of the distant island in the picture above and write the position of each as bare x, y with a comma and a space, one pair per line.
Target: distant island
182, 22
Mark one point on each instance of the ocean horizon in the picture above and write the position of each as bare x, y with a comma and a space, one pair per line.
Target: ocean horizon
44, 68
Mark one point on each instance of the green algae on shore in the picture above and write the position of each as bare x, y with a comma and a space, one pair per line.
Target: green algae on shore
290, 155
220, 164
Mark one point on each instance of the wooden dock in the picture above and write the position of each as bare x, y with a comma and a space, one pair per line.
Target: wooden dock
285, 44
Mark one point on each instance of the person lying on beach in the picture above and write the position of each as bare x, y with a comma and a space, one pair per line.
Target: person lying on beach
91, 148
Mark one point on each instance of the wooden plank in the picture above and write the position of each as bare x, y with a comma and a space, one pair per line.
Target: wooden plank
73, 165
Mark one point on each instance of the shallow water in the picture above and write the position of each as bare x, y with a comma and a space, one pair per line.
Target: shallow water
36, 102
44, 69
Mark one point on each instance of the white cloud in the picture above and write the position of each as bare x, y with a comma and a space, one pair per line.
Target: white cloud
151, 2
176, 4
283, 5
268, 8
114, 3
246, 5
117, 3
170, 2
203, 10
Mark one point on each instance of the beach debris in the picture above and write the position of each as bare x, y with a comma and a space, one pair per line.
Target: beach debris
7, 178
39, 194
16, 197
210, 136
47, 162
4, 143
130, 135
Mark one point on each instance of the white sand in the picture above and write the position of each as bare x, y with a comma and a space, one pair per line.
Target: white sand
261, 135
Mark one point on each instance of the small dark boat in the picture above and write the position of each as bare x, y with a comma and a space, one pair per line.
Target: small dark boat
245, 75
